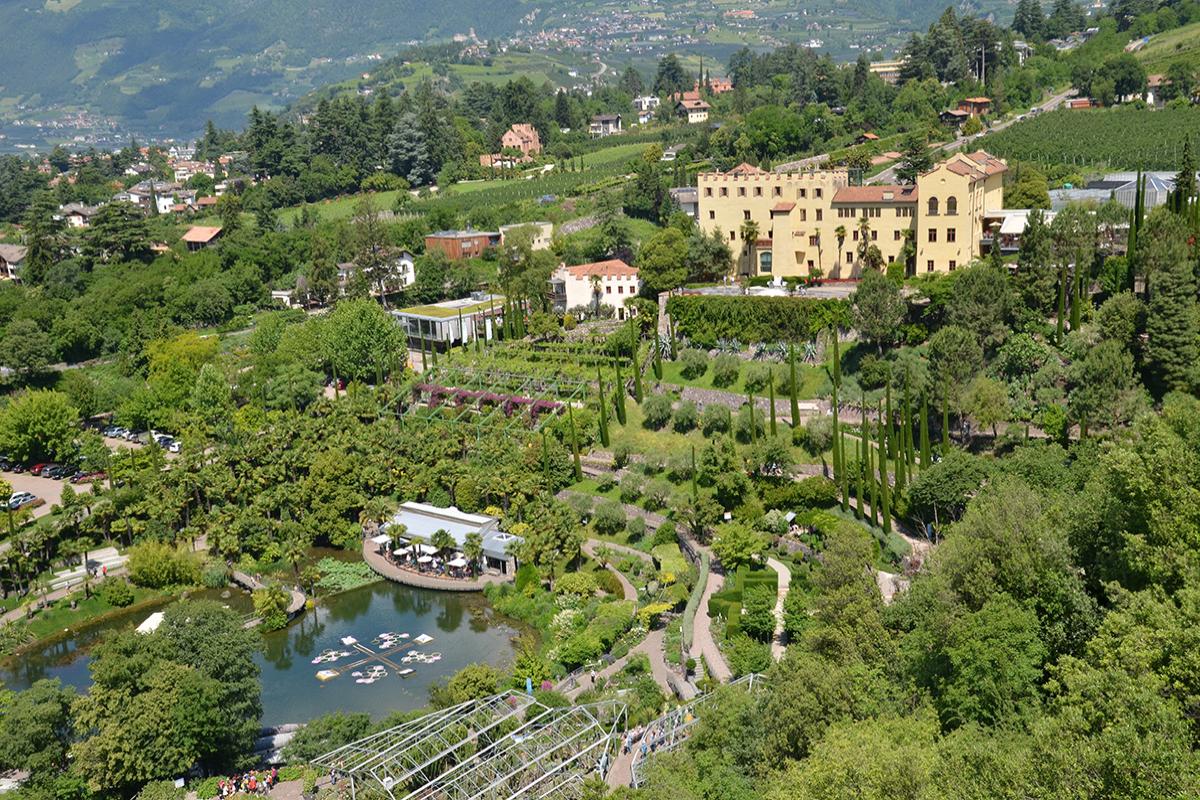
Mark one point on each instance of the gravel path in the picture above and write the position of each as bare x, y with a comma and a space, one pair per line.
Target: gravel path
703, 644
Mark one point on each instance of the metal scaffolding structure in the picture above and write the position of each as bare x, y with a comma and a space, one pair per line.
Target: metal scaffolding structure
671, 730
507, 745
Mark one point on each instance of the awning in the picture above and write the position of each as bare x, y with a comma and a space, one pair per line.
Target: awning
382, 538
428, 549
403, 551
424, 559
459, 562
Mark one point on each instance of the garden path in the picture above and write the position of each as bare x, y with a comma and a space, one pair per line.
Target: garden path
651, 646
627, 588
703, 644
18, 613
785, 580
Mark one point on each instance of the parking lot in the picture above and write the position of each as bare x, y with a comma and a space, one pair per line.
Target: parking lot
46, 488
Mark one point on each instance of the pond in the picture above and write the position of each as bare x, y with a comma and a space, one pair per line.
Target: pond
464, 628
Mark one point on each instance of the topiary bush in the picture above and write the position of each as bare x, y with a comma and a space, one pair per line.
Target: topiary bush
693, 363
725, 370
656, 411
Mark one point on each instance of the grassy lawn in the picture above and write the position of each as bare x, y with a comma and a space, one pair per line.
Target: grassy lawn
339, 207
1181, 44
61, 618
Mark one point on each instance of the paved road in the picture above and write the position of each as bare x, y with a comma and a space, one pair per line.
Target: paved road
785, 580
889, 175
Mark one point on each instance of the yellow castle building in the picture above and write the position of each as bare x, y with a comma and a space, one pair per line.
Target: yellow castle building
800, 223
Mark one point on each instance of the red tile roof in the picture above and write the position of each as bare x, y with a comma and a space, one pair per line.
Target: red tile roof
876, 194
201, 234
613, 268
745, 169
782, 208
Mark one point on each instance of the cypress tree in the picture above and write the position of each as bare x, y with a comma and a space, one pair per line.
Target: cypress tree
945, 421
884, 506
671, 330
874, 486
637, 377
546, 461
753, 431
619, 390
433, 350
1062, 303
926, 454
658, 373
462, 331
771, 393
839, 452
1077, 300
862, 462
837, 359
574, 443
603, 408
695, 491
899, 452
795, 392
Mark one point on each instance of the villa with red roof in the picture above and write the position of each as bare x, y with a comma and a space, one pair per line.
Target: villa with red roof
590, 286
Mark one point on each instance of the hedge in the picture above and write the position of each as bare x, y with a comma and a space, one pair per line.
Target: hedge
706, 319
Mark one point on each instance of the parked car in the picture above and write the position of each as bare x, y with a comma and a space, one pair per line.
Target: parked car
174, 447
59, 471
88, 477
21, 499
37, 468
6, 464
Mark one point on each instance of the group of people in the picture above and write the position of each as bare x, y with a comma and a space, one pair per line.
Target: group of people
655, 736
253, 782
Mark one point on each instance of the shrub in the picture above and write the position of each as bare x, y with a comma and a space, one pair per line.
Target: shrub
725, 370
665, 534
527, 575
609, 583
758, 612
117, 592
715, 419
757, 376
708, 318
609, 518
742, 427
270, 605
206, 789
746, 655
657, 492
656, 411
631, 487
581, 504
636, 528
693, 363
621, 453
578, 584
873, 372
326, 733
812, 492
156, 564
684, 418
679, 467
605, 482
215, 574
160, 790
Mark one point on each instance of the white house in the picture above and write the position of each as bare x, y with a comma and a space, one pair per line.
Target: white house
611, 283
694, 111
401, 273
645, 107
604, 125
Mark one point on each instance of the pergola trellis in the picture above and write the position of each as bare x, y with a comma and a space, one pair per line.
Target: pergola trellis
675, 727
506, 745
491, 399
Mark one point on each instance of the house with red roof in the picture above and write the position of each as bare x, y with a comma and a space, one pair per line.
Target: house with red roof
589, 286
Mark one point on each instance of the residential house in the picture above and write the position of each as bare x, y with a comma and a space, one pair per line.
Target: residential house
953, 117
12, 259
673, 152
541, 233
199, 237
694, 111
646, 106
611, 283
975, 106
452, 322
77, 215
719, 85
186, 170
604, 125
461, 244
866, 137
524, 137
688, 200
400, 267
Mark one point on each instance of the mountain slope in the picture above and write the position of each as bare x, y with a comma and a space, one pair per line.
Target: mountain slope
171, 64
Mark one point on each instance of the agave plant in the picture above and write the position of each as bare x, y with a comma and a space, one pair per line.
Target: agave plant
810, 352
731, 346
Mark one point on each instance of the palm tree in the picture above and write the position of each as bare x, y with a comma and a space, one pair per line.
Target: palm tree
295, 544
840, 233
473, 550
6, 491
864, 239
595, 282
442, 540
750, 242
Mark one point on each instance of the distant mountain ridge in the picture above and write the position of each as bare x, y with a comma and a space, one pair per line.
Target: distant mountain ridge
170, 64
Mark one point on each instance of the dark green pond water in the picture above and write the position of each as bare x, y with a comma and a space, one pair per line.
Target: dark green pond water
464, 628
